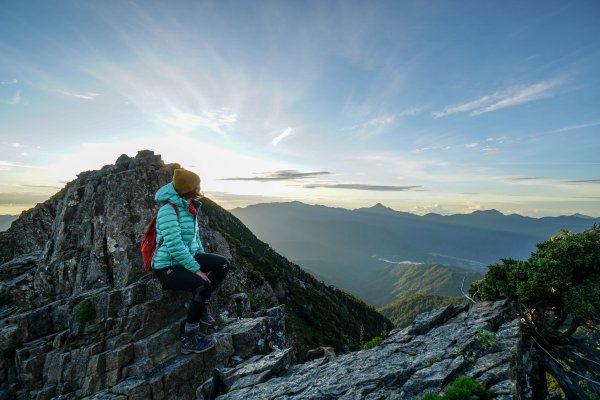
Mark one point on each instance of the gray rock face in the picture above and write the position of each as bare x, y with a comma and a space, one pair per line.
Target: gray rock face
480, 341
83, 319
80, 318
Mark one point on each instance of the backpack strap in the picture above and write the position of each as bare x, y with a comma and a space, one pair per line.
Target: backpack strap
176, 212
174, 208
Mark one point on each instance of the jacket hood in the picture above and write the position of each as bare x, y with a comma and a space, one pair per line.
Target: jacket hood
167, 193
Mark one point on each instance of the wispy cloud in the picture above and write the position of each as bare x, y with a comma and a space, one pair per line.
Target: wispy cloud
9, 165
585, 181
232, 200
16, 99
575, 127
490, 149
218, 121
388, 119
472, 105
471, 145
508, 98
42, 186
427, 148
11, 82
84, 96
499, 139
359, 186
283, 175
286, 133
521, 178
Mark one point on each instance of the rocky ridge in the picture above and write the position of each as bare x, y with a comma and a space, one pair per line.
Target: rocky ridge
480, 340
79, 318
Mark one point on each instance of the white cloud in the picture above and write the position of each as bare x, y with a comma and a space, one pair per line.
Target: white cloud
471, 145
430, 208
490, 150
16, 145
8, 165
411, 112
84, 96
286, 133
11, 82
508, 98
449, 110
16, 99
427, 148
218, 121
522, 96
389, 119
499, 139
574, 127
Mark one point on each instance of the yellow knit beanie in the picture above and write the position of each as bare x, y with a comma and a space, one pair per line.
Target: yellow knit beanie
185, 181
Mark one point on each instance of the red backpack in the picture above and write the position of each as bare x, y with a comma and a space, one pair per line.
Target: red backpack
149, 242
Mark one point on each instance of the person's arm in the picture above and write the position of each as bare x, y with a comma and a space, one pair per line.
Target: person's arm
168, 224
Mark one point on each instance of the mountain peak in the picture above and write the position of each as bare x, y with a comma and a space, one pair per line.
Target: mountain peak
578, 215
489, 213
378, 208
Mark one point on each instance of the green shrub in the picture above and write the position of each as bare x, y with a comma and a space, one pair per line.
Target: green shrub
4, 295
463, 388
486, 339
557, 297
84, 311
376, 341
7, 343
68, 343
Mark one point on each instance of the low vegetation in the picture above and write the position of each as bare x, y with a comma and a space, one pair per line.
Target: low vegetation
376, 341
84, 311
4, 295
403, 311
463, 388
557, 293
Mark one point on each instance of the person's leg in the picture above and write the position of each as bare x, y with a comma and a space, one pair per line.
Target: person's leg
180, 278
214, 266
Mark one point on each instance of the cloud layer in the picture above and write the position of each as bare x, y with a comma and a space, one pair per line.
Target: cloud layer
507, 98
283, 175
359, 186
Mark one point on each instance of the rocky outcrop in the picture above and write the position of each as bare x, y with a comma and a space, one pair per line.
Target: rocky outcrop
481, 340
31, 231
79, 316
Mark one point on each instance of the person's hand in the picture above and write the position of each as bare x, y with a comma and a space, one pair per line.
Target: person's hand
202, 275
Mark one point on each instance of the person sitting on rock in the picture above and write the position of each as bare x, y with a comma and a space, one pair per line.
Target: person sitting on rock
180, 262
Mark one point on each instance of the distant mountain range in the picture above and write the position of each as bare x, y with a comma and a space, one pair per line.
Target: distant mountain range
354, 249
6, 220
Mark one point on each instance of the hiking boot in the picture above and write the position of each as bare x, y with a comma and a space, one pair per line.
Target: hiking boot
207, 319
194, 343
205, 316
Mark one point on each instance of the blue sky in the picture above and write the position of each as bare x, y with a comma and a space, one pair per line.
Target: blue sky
425, 106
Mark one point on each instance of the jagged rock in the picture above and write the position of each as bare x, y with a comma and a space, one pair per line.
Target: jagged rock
258, 335
85, 320
30, 232
238, 305
424, 357
19, 265
255, 370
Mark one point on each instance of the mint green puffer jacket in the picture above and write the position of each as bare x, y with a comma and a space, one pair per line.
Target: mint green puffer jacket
177, 237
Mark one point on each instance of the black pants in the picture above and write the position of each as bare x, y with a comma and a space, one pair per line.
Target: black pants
180, 278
